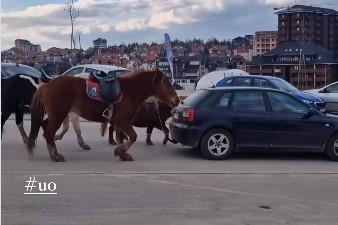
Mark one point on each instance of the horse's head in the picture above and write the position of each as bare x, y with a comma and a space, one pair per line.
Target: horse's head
164, 90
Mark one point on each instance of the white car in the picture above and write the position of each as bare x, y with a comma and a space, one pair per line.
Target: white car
329, 94
84, 70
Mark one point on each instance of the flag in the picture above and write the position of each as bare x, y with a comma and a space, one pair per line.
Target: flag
169, 51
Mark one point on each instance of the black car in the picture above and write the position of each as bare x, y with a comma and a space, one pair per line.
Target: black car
222, 120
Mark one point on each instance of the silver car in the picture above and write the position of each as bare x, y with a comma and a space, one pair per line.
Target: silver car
83, 71
329, 94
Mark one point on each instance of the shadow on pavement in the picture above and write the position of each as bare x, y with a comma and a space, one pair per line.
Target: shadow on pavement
195, 153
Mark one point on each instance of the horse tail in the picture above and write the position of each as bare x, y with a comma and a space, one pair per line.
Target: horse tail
37, 115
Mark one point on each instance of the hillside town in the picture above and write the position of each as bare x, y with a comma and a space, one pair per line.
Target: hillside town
303, 51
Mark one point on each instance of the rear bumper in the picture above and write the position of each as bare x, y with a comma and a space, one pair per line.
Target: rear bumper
184, 134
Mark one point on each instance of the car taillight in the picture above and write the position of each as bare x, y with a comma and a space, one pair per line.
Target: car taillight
189, 115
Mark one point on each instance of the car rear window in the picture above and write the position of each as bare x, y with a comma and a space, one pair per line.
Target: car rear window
195, 98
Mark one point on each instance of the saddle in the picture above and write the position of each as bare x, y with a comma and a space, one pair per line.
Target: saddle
103, 87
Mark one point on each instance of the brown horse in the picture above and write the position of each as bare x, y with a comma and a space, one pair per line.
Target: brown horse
68, 94
151, 114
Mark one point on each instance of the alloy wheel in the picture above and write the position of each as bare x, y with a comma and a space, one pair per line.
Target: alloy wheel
335, 147
218, 144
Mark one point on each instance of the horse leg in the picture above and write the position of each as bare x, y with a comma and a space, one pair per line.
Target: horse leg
19, 122
50, 127
119, 136
121, 149
111, 135
149, 132
4, 117
166, 134
65, 128
76, 125
6, 111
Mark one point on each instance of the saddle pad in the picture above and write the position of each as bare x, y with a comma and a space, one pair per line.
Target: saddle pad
93, 92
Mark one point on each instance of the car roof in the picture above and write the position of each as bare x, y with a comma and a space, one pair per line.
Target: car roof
104, 68
331, 84
253, 76
242, 88
11, 69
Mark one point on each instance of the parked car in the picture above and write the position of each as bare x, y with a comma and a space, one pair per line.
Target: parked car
220, 121
84, 70
9, 70
329, 94
275, 83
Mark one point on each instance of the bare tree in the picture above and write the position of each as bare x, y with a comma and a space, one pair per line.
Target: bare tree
73, 13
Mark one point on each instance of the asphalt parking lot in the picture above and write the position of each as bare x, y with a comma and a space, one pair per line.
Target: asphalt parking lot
164, 185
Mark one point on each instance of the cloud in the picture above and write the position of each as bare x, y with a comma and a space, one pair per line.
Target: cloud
49, 24
131, 25
277, 2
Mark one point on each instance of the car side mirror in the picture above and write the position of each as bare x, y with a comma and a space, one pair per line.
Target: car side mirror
311, 112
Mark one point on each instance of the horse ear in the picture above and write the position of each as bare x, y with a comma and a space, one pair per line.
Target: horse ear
157, 76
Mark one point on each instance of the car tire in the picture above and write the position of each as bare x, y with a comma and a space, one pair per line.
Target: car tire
217, 144
332, 148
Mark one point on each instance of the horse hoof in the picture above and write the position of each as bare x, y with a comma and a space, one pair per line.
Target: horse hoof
60, 158
148, 142
117, 152
112, 142
126, 157
86, 147
25, 140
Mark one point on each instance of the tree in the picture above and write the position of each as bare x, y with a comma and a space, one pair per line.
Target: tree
73, 13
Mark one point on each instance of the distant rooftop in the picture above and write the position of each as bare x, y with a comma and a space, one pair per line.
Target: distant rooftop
308, 9
296, 49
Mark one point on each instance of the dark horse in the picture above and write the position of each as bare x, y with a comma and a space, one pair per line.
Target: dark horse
68, 94
151, 114
17, 92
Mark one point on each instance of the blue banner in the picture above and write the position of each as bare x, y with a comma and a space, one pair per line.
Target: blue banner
170, 55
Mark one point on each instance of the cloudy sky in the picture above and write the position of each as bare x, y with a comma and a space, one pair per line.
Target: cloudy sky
45, 22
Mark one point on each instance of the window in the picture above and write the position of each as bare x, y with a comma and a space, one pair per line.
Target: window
248, 101
283, 85
241, 82
223, 101
118, 72
261, 83
75, 71
333, 88
224, 83
90, 70
282, 103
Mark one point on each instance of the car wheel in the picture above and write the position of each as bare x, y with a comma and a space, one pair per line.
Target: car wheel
217, 144
332, 148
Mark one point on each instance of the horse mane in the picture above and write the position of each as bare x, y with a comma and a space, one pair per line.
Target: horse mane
137, 74
137, 79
